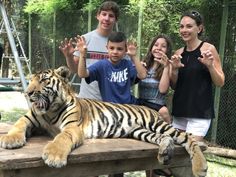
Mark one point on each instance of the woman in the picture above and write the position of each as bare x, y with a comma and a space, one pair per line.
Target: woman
155, 61
194, 68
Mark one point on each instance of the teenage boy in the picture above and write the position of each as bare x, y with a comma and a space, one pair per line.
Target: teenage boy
96, 41
116, 75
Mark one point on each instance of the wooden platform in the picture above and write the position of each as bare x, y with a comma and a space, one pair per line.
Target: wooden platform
95, 157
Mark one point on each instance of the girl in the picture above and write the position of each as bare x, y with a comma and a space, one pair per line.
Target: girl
155, 61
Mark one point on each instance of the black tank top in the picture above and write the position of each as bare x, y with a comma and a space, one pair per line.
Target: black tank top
193, 93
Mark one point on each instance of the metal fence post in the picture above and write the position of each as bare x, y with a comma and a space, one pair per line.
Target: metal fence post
13, 46
221, 53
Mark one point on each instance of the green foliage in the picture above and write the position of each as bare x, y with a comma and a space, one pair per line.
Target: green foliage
47, 6
220, 166
92, 5
50, 6
13, 115
162, 16
159, 16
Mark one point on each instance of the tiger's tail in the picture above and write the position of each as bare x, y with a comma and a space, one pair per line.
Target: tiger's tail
199, 163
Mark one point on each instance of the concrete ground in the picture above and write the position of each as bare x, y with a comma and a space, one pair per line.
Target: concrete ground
11, 100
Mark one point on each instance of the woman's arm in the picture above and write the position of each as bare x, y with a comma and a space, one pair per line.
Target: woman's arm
210, 58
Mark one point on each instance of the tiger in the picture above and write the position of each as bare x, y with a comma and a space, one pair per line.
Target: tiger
71, 120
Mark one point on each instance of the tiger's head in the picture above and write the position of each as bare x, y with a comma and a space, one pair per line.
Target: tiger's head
48, 90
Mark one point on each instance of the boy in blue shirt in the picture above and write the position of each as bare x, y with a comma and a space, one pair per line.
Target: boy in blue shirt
116, 74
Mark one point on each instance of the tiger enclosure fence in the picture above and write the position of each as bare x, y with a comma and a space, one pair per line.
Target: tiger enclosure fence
46, 34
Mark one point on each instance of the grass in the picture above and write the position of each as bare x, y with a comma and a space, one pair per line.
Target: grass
217, 166
220, 166
11, 116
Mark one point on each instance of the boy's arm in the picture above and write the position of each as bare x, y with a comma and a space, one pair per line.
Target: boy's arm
132, 52
81, 46
141, 70
210, 58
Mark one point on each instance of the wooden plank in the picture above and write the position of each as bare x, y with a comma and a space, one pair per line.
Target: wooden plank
91, 150
94, 157
4, 128
97, 168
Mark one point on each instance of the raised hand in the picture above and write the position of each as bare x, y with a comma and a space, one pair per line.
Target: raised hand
67, 48
132, 49
164, 60
207, 58
176, 61
81, 45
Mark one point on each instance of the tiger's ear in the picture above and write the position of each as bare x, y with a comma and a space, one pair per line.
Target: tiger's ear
63, 71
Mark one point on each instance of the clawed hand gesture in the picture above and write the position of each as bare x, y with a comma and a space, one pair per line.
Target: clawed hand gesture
206, 58
164, 60
132, 49
67, 48
176, 61
81, 45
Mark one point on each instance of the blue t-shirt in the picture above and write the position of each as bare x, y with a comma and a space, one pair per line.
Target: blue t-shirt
114, 81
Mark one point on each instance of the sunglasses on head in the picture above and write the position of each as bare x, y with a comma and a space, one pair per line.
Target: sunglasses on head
195, 14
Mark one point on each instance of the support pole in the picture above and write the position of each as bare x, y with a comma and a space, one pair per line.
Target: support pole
53, 64
140, 23
90, 16
8, 89
224, 23
30, 40
13, 46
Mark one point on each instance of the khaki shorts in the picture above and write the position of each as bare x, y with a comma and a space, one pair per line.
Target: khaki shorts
196, 126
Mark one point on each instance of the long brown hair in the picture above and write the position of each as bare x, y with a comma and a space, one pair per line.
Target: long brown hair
149, 58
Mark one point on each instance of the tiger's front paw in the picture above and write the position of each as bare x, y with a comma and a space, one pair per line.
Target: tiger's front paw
12, 141
166, 150
54, 155
199, 164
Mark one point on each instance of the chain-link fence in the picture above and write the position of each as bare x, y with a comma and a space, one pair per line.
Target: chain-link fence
226, 131
66, 24
44, 51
